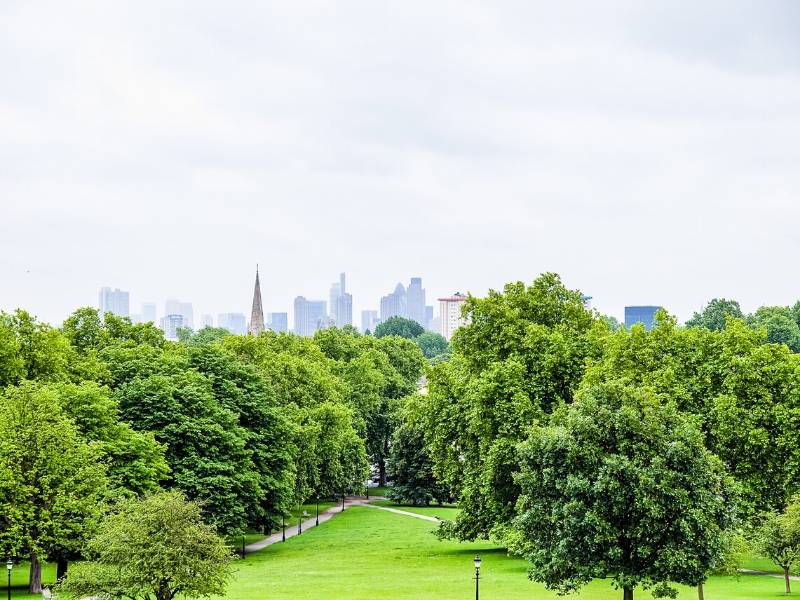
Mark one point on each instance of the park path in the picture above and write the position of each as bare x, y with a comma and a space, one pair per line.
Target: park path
767, 574
404, 512
292, 530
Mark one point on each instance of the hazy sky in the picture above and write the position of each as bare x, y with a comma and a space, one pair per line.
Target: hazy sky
649, 152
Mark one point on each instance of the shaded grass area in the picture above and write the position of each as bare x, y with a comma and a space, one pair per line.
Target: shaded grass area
20, 575
373, 553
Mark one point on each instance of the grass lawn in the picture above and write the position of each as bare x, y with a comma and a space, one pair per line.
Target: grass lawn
378, 491
20, 577
373, 553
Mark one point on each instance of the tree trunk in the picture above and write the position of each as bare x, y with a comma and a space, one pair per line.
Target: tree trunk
381, 472
627, 593
61, 568
786, 578
35, 586
700, 592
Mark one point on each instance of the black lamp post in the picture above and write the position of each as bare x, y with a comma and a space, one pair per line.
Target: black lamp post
342, 501
477, 574
317, 510
9, 565
283, 525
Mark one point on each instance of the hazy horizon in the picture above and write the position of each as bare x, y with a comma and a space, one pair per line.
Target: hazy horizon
645, 152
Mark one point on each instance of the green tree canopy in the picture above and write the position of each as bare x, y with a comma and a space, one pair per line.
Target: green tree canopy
778, 538
523, 352
780, 325
52, 482
399, 326
619, 485
158, 547
715, 314
432, 344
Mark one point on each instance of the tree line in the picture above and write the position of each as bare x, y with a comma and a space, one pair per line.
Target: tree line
101, 411
599, 451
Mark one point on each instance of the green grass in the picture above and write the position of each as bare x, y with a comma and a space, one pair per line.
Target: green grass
373, 553
20, 577
378, 491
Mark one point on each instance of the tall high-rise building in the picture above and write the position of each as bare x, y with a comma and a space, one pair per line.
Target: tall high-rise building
257, 314
369, 320
148, 312
207, 321
341, 303
233, 322
394, 304
278, 322
415, 301
450, 317
429, 318
176, 307
114, 301
309, 316
641, 314
170, 325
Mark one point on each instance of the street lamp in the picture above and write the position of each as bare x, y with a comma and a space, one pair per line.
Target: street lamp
477, 574
317, 510
283, 525
9, 565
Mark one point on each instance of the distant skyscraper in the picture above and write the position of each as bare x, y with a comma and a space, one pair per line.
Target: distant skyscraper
394, 304
641, 314
278, 322
450, 317
429, 318
114, 301
341, 303
148, 312
415, 301
233, 322
208, 321
257, 314
587, 302
309, 316
176, 307
170, 325
369, 320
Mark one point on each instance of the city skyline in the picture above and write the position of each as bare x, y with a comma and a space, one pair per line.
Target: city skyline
624, 148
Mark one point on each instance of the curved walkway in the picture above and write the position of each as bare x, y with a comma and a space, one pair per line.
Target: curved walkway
291, 531
404, 512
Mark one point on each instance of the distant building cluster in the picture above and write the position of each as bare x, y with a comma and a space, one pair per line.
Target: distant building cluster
311, 315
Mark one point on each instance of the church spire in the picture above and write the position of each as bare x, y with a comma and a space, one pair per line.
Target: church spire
257, 314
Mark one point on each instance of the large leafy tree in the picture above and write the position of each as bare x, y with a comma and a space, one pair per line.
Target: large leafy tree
715, 314
780, 325
399, 326
432, 344
523, 352
52, 482
158, 547
778, 538
744, 394
206, 447
620, 485
411, 468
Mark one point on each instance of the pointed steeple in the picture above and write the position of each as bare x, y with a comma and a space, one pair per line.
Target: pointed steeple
257, 314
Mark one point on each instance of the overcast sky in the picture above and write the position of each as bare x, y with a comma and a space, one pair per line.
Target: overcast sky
649, 152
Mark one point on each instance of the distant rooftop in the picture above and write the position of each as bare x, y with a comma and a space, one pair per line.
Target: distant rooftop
457, 297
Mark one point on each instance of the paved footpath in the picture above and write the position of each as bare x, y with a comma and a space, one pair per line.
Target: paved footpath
404, 512
291, 531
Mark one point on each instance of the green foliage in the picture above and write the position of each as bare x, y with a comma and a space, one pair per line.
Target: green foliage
432, 344
523, 352
31, 350
715, 314
52, 481
411, 469
206, 335
399, 326
780, 324
157, 547
206, 447
619, 485
778, 538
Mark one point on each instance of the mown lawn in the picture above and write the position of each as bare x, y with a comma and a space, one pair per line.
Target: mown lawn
373, 553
